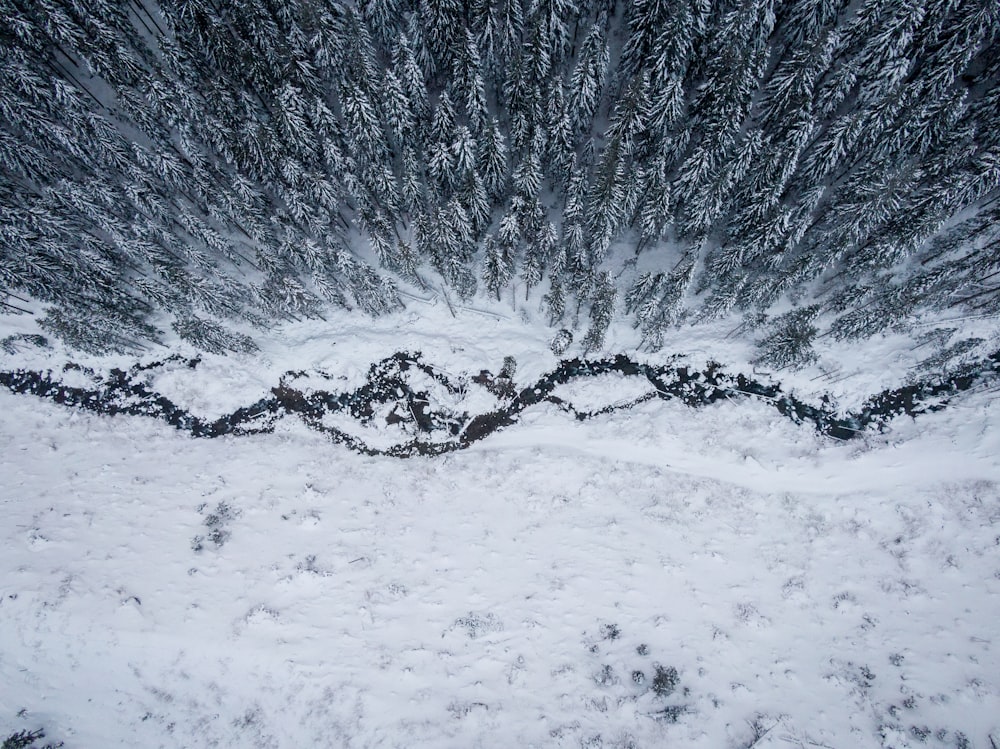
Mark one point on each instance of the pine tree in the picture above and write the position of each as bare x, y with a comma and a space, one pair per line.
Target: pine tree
601, 313
555, 303
498, 266
469, 84
464, 149
442, 23
443, 123
493, 161
789, 345
364, 127
574, 231
606, 204
412, 187
498, 26
561, 143
654, 208
541, 245
209, 336
382, 17
588, 79
527, 177
441, 167
408, 72
397, 111
657, 300
473, 196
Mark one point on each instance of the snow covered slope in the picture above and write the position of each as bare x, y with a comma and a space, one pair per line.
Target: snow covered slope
662, 577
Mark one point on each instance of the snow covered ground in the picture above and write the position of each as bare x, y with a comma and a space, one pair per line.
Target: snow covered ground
716, 578
661, 576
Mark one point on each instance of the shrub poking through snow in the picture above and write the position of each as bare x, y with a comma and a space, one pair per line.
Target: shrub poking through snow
27, 739
610, 631
606, 676
665, 681
477, 625
217, 524
670, 714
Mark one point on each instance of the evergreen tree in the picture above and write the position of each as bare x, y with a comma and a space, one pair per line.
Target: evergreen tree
789, 345
411, 78
498, 26
382, 17
601, 312
469, 83
493, 161
541, 245
398, 112
442, 26
587, 80
498, 266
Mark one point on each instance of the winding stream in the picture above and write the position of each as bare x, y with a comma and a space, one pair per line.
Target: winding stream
432, 427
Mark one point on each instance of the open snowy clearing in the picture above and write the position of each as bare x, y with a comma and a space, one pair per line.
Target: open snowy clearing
281, 591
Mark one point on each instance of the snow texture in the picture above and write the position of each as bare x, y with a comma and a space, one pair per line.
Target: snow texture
534, 590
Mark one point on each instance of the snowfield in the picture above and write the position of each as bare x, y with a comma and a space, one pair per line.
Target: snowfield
716, 578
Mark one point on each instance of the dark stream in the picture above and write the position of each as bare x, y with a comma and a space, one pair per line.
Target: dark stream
433, 428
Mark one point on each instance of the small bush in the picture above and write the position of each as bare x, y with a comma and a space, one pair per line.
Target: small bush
216, 523
665, 681
606, 676
670, 714
610, 631
26, 740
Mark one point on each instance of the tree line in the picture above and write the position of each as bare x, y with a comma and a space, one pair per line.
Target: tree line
259, 160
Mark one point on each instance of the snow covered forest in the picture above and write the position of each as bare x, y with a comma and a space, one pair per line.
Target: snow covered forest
823, 167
